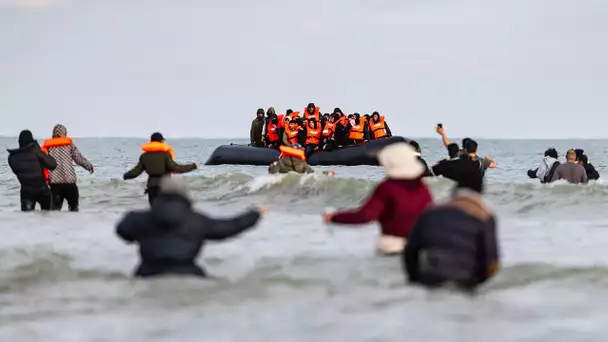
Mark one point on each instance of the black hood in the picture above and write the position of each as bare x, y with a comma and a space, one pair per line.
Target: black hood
25, 148
171, 211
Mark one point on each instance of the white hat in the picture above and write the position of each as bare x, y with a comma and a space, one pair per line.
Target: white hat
175, 185
400, 160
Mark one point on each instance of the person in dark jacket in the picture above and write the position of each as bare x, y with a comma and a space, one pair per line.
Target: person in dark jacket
547, 167
157, 161
28, 163
592, 173
171, 234
455, 242
396, 202
257, 128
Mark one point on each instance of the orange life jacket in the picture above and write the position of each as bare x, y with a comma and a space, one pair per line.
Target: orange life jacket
155, 146
329, 129
356, 131
313, 136
293, 152
378, 128
312, 116
280, 118
53, 142
292, 136
273, 135
295, 115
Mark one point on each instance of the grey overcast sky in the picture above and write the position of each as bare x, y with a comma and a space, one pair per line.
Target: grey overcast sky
198, 68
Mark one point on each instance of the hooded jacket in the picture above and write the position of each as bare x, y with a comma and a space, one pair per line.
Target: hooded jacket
455, 242
171, 234
28, 162
255, 133
544, 169
65, 157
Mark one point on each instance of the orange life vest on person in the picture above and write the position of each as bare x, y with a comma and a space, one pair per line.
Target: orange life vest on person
155, 146
312, 116
280, 118
273, 135
292, 152
329, 129
356, 131
295, 115
292, 136
313, 136
53, 142
378, 128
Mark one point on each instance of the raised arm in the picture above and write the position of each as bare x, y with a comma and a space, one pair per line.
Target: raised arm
80, 160
220, 229
369, 212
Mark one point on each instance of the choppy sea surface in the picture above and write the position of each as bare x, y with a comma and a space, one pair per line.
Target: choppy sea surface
67, 277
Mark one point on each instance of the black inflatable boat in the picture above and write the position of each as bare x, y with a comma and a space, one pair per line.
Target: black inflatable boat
365, 154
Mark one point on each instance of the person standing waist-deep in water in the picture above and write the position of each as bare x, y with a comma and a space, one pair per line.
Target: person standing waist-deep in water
157, 161
171, 234
30, 164
63, 178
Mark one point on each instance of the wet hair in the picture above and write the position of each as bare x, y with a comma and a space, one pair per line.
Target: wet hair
453, 150
551, 152
415, 145
471, 146
465, 141
583, 159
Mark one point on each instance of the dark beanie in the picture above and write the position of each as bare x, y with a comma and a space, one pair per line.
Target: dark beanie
25, 138
156, 136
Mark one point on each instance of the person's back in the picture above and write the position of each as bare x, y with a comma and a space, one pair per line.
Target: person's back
292, 159
454, 242
570, 171
63, 179
28, 163
171, 234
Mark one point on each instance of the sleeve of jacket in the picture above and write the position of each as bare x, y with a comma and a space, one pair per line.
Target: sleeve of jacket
388, 130
489, 254
178, 168
127, 228
220, 229
369, 212
285, 139
80, 160
415, 243
136, 171
46, 161
252, 133
532, 173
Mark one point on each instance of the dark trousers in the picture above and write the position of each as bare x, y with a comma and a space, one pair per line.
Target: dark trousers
152, 192
32, 195
310, 148
65, 192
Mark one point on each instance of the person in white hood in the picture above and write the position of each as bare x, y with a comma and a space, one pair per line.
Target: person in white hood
547, 167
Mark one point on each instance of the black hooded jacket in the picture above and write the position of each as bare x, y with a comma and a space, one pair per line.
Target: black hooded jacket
28, 163
171, 234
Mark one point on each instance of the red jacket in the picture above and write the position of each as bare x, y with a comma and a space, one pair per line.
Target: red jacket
396, 204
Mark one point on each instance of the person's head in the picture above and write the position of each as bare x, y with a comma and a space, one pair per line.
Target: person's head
312, 123
25, 138
583, 159
453, 150
465, 141
292, 124
338, 110
551, 152
571, 156
579, 152
270, 112
400, 160
157, 137
289, 112
175, 185
260, 113
60, 131
351, 117
375, 116
326, 116
310, 108
471, 147
366, 116
334, 117
415, 146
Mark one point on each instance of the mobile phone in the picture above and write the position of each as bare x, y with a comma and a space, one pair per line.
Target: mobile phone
440, 125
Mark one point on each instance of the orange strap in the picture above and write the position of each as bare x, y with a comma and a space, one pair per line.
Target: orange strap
56, 142
293, 152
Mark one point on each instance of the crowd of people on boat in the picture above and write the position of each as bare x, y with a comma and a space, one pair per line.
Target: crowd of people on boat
316, 131
454, 242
